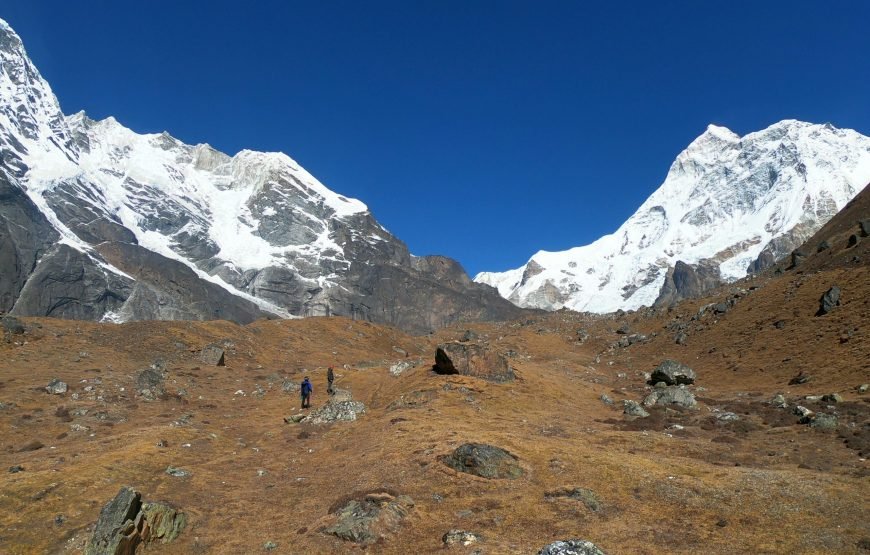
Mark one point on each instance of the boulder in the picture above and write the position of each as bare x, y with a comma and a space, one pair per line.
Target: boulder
633, 408
12, 325
672, 373
720, 308
459, 537
822, 421
832, 398
823, 246
671, 395
797, 257
149, 383
829, 300
472, 359
212, 355
115, 532
865, 227
126, 522
56, 387
779, 401
681, 338
400, 367
486, 461
371, 518
571, 547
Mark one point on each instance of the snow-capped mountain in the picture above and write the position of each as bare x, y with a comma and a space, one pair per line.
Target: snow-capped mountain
729, 205
134, 226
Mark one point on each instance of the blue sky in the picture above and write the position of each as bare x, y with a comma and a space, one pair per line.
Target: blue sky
481, 130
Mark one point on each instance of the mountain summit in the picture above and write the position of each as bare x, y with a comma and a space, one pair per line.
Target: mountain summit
728, 206
100, 222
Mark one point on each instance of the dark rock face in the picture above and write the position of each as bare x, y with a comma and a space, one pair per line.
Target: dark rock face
371, 518
571, 547
829, 301
70, 284
781, 246
685, 281
672, 373
166, 289
472, 359
864, 225
25, 236
484, 460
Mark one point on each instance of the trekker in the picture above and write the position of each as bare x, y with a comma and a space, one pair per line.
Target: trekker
330, 377
306, 390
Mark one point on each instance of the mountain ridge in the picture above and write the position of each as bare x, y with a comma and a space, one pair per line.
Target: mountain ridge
729, 202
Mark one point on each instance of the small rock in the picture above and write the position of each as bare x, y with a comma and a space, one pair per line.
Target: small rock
779, 324
294, 418
623, 329
177, 472
56, 387
469, 335
804, 413
801, 378
16, 468
289, 386
606, 400
832, 398
822, 421
823, 246
681, 338
270, 545
720, 308
571, 547
779, 401
459, 537
727, 417
633, 408
400, 367
31, 446
829, 300
59, 520
863, 388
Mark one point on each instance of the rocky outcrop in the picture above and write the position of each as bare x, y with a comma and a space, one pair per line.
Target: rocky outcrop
126, 522
25, 236
686, 281
370, 518
483, 460
472, 359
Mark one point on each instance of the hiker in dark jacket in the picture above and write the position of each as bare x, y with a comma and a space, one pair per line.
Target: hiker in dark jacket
306, 390
330, 377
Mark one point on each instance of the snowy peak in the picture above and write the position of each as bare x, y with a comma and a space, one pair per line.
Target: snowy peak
726, 202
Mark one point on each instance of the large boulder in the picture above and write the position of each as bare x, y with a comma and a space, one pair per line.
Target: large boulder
212, 355
671, 395
672, 373
571, 547
472, 359
829, 300
483, 460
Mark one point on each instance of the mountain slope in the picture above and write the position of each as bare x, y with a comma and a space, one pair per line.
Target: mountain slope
728, 205
256, 225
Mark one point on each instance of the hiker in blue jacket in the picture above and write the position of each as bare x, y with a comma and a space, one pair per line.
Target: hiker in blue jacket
306, 390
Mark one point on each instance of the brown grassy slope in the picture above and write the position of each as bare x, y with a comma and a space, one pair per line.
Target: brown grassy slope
680, 481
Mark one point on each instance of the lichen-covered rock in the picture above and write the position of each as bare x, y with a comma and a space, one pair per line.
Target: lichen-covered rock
56, 387
115, 531
671, 395
829, 300
673, 373
162, 522
633, 408
571, 547
472, 359
459, 537
484, 460
367, 520
336, 411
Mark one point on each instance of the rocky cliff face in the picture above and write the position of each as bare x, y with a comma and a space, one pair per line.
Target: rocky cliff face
729, 205
100, 222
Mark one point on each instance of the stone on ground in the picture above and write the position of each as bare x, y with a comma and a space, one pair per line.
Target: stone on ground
829, 300
340, 408
367, 520
571, 547
125, 523
459, 537
633, 408
486, 461
212, 355
673, 373
671, 395
56, 387
472, 359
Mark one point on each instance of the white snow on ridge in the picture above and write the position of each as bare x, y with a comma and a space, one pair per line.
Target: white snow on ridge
724, 196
